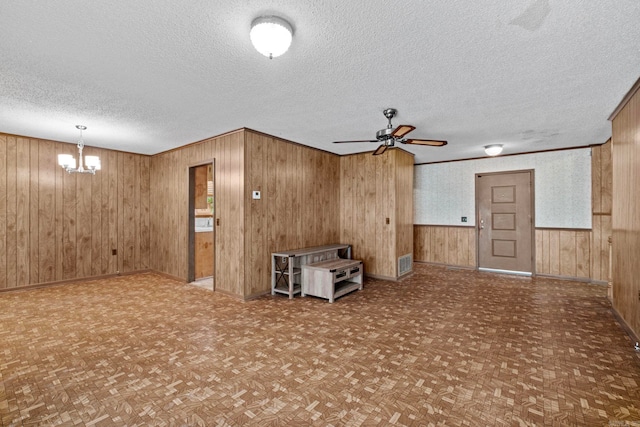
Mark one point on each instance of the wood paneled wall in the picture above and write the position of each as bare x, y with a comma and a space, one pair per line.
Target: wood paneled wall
55, 226
298, 206
404, 203
445, 245
572, 253
558, 252
565, 253
372, 190
626, 209
170, 219
602, 197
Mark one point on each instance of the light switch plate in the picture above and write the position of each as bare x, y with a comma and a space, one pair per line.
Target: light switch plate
256, 195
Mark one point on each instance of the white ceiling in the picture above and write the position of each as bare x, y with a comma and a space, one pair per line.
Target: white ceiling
150, 75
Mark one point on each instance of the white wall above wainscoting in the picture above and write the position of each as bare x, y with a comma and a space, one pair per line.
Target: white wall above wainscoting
445, 192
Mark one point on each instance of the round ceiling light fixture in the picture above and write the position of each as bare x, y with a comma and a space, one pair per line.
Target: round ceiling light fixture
271, 35
493, 149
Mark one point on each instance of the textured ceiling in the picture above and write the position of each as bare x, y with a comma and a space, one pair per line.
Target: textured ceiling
150, 75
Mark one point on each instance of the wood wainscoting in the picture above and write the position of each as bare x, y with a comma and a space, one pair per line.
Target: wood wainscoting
57, 226
441, 244
569, 253
563, 252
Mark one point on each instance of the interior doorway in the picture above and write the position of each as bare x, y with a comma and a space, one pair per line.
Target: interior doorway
505, 221
201, 263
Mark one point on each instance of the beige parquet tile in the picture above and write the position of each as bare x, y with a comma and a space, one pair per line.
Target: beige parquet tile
444, 347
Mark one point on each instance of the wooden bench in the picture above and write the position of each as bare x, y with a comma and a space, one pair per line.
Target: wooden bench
286, 266
332, 278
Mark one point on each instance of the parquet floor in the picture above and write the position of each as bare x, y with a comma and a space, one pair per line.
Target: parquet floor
446, 348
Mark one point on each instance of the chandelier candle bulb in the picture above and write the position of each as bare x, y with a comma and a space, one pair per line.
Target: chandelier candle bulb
92, 162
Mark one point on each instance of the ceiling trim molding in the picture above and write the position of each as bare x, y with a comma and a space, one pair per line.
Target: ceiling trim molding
625, 99
197, 142
515, 154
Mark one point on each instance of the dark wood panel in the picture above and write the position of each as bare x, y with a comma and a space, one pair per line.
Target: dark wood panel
97, 240
114, 225
601, 178
3, 212
11, 227
23, 148
606, 185
83, 228
145, 211
59, 212
596, 179
46, 212
33, 213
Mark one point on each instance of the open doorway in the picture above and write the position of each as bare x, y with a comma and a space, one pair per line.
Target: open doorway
201, 225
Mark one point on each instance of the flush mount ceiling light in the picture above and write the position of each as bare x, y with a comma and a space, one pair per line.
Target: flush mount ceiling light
493, 149
271, 35
68, 162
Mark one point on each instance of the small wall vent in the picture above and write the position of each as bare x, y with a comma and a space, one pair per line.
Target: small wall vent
405, 264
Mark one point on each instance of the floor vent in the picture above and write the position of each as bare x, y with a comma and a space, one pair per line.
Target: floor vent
405, 264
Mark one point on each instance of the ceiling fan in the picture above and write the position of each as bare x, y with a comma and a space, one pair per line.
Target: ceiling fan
389, 136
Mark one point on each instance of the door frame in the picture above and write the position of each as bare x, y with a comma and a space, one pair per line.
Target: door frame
532, 181
191, 231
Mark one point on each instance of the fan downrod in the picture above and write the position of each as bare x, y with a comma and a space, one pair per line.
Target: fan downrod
389, 113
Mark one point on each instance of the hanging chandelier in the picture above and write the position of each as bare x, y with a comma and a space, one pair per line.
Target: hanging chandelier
68, 162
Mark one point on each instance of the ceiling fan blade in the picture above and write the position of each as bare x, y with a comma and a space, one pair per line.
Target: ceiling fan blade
381, 149
402, 130
363, 140
431, 142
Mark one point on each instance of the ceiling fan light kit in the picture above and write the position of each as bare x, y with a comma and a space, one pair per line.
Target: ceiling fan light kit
493, 149
271, 35
390, 135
